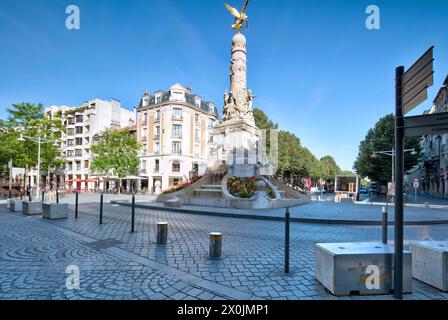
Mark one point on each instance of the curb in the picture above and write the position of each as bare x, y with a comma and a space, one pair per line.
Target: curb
271, 218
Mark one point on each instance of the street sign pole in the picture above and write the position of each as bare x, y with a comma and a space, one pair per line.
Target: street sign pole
399, 155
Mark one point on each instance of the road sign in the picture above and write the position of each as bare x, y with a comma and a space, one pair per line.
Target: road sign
410, 90
391, 189
416, 184
431, 124
415, 82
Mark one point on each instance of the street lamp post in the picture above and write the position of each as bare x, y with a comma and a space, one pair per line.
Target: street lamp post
392, 153
39, 141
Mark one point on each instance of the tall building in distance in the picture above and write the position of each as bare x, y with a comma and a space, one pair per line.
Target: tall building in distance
174, 128
83, 126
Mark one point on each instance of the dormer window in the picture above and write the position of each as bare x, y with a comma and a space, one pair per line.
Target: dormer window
211, 108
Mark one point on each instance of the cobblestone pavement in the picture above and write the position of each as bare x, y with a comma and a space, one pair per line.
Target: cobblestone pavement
35, 252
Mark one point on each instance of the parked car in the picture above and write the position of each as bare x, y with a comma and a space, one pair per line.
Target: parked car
363, 190
373, 189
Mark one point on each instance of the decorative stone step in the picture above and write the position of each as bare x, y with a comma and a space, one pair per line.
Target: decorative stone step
173, 203
216, 187
208, 193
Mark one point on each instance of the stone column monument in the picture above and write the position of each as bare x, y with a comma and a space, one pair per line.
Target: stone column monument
237, 137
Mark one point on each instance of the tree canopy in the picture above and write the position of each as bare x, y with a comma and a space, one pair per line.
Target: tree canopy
28, 120
295, 161
116, 154
382, 138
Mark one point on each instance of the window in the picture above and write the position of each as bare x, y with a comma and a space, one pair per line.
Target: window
177, 113
156, 165
176, 166
69, 166
78, 153
157, 148
196, 119
145, 118
158, 98
144, 134
211, 123
176, 147
78, 165
211, 108
79, 119
86, 164
158, 115
70, 131
196, 134
70, 142
71, 120
157, 131
177, 130
78, 130
70, 153
78, 141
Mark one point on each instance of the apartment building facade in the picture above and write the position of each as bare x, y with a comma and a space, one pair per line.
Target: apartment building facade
174, 128
83, 126
432, 171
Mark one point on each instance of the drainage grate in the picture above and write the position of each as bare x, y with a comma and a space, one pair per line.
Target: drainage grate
104, 244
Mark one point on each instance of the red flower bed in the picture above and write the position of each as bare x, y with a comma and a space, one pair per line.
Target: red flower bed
242, 187
182, 185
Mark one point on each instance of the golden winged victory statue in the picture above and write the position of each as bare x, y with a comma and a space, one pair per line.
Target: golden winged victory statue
240, 17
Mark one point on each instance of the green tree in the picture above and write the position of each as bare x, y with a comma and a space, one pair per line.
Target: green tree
294, 161
28, 120
116, 154
382, 138
329, 168
262, 121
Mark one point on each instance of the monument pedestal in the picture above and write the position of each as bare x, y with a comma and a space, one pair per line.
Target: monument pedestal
238, 145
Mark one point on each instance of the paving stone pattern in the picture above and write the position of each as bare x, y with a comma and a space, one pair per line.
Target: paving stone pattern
35, 252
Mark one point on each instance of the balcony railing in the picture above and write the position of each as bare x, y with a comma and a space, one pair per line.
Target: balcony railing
156, 136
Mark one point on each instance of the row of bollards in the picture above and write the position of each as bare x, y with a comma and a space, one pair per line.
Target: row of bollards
215, 238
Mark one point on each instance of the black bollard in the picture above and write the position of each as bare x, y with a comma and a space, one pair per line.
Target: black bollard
57, 195
384, 225
43, 195
76, 204
101, 208
133, 213
287, 240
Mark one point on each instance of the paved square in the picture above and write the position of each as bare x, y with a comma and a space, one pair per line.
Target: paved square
116, 264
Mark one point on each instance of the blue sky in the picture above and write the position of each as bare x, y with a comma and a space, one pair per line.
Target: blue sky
314, 67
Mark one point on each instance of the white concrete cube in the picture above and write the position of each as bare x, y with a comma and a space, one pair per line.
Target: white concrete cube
15, 205
430, 262
54, 210
348, 268
32, 207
